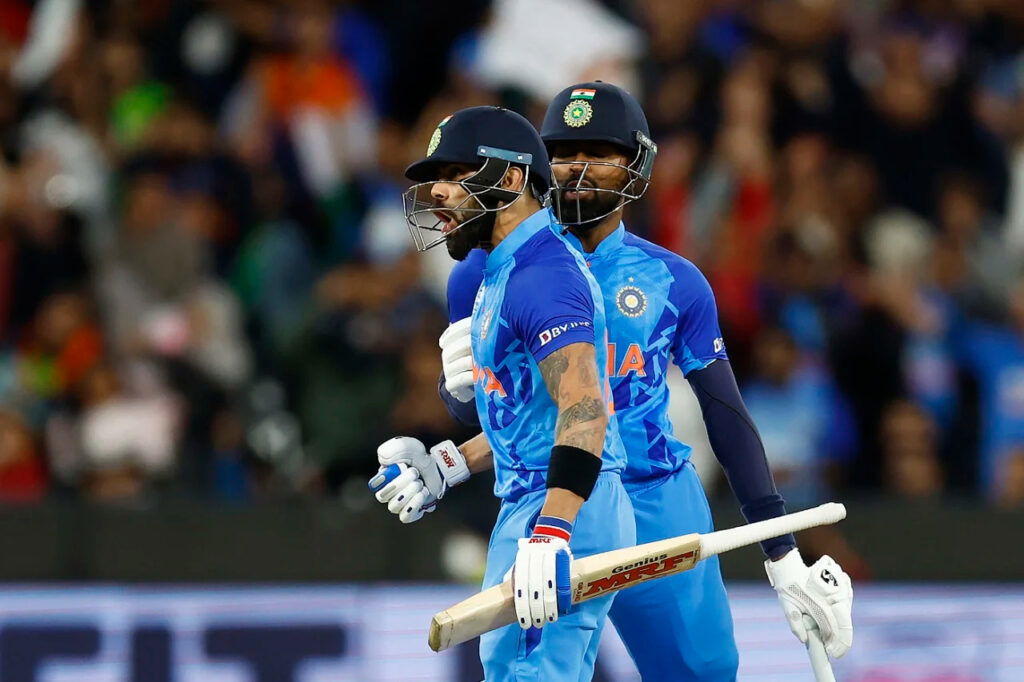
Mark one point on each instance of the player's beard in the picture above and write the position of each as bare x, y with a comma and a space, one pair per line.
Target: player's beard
584, 214
474, 233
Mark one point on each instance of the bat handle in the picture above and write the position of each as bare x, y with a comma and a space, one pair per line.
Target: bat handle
726, 540
816, 652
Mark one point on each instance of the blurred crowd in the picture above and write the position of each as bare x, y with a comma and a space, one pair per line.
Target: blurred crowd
207, 287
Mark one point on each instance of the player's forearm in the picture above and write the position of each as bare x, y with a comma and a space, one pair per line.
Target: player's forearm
583, 425
570, 375
478, 454
562, 503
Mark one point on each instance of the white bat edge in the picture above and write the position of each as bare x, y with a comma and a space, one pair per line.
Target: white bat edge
816, 652
732, 538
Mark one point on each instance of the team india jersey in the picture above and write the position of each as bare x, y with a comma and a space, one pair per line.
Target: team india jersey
659, 309
536, 297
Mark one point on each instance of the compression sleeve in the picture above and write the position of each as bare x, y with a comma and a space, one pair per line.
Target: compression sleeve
738, 447
464, 413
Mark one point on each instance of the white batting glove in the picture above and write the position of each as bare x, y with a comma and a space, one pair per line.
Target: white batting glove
411, 480
822, 592
541, 587
457, 360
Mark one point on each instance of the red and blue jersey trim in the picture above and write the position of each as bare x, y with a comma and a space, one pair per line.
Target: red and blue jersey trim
553, 526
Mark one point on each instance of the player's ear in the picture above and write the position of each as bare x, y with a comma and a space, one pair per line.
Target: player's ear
514, 179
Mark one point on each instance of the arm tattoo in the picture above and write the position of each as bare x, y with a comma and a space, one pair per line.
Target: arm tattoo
587, 409
551, 369
582, 419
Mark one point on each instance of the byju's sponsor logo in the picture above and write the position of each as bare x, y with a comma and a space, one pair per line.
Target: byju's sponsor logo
548, 335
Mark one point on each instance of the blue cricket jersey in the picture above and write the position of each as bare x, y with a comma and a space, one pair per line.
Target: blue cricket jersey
659, 309
536, 297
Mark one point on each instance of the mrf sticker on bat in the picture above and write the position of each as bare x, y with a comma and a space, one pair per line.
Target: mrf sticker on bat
635, 572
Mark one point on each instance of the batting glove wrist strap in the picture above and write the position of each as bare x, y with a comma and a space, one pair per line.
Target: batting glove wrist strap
553, 526
450, 462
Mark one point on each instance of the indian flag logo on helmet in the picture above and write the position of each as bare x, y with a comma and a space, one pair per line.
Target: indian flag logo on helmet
435, 139
578, 113
583, 93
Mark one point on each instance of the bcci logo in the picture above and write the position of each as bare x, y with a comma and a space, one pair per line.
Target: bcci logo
435, 139
485, 323
578, 113
631, 302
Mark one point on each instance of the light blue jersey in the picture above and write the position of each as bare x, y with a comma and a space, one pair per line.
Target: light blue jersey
659, 309
536, 297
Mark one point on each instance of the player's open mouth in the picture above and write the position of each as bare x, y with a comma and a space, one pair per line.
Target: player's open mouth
448, 221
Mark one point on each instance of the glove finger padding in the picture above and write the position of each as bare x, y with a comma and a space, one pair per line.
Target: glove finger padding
415, 508
549, 588
393, 484
830, 584
520, 585
461, 369
542, 569
404, 495
536, 597
457, 350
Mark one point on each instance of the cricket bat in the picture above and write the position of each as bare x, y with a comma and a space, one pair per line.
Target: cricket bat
601, 574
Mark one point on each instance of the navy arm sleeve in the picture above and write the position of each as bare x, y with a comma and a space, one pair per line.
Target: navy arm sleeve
463, 283
738, 447
464, 413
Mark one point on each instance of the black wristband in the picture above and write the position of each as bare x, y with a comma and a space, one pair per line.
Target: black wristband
573, 469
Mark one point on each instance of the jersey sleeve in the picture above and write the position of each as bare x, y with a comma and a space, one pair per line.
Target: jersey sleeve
698, 340
550, 307
463, 283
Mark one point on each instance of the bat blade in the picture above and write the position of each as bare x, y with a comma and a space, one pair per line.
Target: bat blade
488, 610
592, 576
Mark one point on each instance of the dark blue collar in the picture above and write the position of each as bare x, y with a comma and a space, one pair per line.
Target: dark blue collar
519, 235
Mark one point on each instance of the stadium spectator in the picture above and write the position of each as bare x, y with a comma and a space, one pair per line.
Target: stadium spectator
804, 424
910, 452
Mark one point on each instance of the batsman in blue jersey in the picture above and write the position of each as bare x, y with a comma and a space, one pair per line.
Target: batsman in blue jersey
537, 334
660, 309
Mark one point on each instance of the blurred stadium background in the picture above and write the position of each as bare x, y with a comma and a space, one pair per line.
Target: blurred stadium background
210, 315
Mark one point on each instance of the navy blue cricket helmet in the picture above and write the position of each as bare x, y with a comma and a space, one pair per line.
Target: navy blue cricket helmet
492, 138
598, 112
